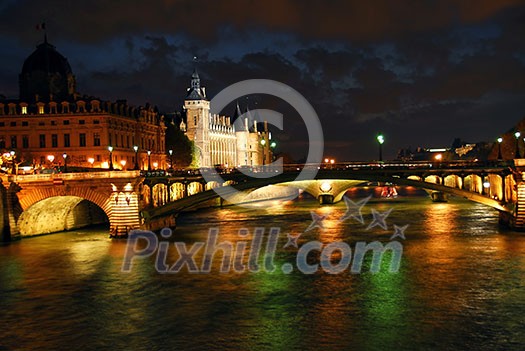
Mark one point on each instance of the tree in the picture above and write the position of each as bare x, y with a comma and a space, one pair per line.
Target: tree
177, 141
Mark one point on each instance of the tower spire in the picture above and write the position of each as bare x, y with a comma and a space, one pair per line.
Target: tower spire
42, 26
196, 92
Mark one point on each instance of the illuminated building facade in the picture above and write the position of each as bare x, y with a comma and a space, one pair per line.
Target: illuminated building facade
51, 124
215, 137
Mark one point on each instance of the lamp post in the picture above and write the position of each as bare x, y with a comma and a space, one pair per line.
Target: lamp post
170, 151
64, 155
13, 155
110, 149
136, 149
263, 143
380, 140
273, 145
517, 153
500, 140
149, 160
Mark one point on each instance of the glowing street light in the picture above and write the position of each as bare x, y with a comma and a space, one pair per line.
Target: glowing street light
136, 149
500, 140
517, 153
123, 163
91, 160
170, 151
438, 157
110, 149
380, 140
50, 158
64, 155
13, 153
149, 160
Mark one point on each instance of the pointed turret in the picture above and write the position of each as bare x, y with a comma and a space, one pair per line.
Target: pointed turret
195, 92
237, 113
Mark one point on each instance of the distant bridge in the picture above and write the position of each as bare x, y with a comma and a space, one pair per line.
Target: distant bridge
36, 204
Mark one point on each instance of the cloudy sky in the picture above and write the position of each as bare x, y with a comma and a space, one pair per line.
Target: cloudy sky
421, 72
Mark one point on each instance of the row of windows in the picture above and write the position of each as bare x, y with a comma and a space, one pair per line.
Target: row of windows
98, 158
124, 141
43, 139
42, 123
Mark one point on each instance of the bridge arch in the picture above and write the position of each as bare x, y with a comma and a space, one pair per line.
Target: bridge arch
453, 181
433, 179
211, 185
474, 183
60, 213
160, 194
177, 191
194, 188
40, 193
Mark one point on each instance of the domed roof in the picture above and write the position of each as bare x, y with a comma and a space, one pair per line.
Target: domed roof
46, 75
47, 59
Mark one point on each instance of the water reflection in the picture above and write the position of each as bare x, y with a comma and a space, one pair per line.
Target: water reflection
460, 286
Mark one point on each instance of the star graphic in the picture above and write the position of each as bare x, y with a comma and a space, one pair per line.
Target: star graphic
399, 232
292, 240
379, 219
317, 221
353, 209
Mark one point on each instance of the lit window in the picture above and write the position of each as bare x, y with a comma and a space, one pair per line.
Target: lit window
24, 110
40, 109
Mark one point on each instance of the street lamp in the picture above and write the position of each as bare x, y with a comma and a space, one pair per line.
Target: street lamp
110, 149
13, 153
380, 140
64, 155
136, 149
263, 143
517, 153
273, 145
149, 160
170, 151
500, 140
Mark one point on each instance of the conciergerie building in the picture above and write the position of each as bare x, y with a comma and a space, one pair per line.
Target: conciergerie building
51, 123
216, 140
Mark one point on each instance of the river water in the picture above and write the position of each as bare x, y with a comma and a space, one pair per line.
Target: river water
461, 285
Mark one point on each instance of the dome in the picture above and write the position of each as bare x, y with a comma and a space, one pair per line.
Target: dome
46, 75
47, 59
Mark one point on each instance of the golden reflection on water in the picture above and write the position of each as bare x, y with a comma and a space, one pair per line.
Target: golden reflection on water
457, 272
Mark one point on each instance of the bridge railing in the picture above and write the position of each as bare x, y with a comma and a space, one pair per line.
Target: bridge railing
374, 165
71, 176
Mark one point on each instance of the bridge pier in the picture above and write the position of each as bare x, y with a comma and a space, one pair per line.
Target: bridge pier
438, 196
5, 229
326, 199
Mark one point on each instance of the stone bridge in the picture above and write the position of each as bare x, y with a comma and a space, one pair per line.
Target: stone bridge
46, 203
500, 185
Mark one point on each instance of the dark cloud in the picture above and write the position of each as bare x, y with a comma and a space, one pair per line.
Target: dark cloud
95, 20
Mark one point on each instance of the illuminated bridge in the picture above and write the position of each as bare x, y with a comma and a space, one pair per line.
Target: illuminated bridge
38, 204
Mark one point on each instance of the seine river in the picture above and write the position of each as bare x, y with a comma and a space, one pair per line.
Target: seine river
461, 285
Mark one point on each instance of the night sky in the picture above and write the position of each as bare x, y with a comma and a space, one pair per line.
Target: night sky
421, 72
